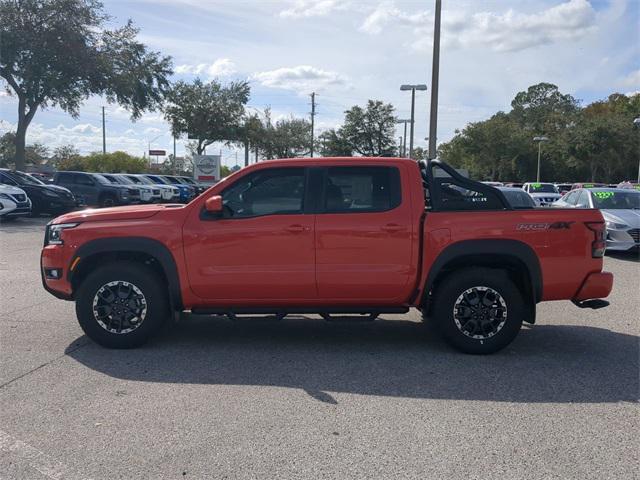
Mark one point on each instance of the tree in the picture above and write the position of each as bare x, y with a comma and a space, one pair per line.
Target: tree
288, 138
207, 112
35, 153
332, 143
60, 52
64, 153
115, 162
370, 131
542, 109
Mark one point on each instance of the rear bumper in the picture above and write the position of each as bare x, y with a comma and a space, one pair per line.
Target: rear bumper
596, 285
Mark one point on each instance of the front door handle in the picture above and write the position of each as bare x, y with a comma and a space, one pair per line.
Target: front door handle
393, 227
296, 228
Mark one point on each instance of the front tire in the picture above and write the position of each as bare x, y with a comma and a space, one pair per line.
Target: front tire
478, 310
122, 305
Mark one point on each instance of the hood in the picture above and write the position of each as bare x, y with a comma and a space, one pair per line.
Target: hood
628, 217
11, 190
58, 188
131, 212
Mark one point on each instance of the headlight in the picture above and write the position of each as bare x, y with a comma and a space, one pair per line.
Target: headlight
617, 226
54, 233
49, 193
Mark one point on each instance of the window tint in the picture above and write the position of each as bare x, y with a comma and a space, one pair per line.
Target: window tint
451, 194
583, 199
83, 179
275, 191
64, 177
5, 179
362, 189
572, 197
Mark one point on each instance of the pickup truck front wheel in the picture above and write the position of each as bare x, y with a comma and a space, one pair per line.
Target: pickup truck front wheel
478, 310
121, 305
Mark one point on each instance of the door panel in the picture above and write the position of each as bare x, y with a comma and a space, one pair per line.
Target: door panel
363, 256
263, 246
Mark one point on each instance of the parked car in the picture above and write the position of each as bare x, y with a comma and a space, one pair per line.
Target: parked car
14, 202
187, 193
200, 187
517, 198
330, 236
45, 198
563, 187
514, 185
94, 190
635, 186
620, 209
575, 186
167, 192
494, 184
544, 194
146, 191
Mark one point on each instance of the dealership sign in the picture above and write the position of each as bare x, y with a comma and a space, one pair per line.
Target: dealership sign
157, 153
206, 168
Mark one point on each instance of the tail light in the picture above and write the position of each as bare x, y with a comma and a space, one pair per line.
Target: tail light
599, 244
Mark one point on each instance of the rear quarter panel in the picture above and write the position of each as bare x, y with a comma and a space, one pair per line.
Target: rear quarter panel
559, 238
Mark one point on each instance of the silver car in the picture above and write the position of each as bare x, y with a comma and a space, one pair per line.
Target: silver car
620, 209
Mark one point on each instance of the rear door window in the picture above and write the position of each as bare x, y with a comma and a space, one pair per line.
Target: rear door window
361, 189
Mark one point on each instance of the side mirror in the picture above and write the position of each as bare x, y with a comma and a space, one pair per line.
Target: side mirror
213, 204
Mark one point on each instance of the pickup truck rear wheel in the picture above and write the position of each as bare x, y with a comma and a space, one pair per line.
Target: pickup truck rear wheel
121, 305
478, 310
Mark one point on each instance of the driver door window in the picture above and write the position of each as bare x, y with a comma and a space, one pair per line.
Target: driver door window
269, 192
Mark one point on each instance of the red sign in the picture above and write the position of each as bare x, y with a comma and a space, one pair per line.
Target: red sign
157, 153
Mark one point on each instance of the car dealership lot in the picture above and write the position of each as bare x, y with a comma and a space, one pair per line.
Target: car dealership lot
311, 399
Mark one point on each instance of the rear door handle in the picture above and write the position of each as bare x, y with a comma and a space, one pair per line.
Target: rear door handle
393, 227
296, 228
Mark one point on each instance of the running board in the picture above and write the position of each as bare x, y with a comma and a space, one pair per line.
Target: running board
369, 312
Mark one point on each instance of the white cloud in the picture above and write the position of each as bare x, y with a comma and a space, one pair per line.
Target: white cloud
508, 31
632, 80
302, 78
312, 8
222, 67
151, 130
387, 14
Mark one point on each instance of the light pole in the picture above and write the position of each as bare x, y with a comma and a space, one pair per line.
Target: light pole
413, 89
539, 140
404, 143
435, 76
636, 123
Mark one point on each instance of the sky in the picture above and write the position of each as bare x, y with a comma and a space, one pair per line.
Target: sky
349, 51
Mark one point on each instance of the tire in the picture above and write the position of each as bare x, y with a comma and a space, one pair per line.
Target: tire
144, 316
108, 201
492, 327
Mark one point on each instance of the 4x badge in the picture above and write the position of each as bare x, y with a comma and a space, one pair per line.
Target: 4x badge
544, 226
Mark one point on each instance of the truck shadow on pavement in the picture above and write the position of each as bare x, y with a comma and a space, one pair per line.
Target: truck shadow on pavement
546, 363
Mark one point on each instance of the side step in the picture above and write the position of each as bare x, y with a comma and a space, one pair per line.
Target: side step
595, 303
328, 313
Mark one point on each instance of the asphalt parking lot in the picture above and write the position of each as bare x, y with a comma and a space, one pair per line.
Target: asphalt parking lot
304, 398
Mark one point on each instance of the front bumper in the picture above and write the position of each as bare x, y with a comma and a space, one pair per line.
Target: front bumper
54, 256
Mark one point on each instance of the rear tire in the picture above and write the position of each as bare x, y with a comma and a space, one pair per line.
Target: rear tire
478, 310
122, 305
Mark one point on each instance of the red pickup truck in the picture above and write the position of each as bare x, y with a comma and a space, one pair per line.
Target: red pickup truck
341, 237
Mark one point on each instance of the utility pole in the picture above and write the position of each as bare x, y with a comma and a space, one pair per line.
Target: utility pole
400, 146
404, 143
435, 76
104, 136
174, 149
539, 140
313, 114
413, 89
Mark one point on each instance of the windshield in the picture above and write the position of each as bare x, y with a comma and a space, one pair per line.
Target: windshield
187, 180
24, 179
112, 179
125, 180
615, 200
156, 180
542, 188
